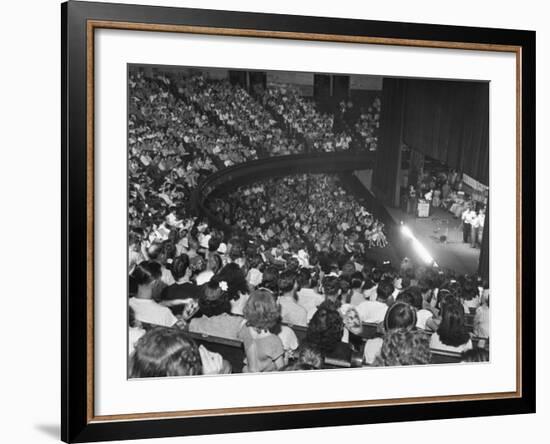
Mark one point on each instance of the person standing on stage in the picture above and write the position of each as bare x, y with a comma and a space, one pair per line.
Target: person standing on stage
412, 200
467, 217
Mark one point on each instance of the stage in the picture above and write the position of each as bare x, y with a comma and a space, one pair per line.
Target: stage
452, 253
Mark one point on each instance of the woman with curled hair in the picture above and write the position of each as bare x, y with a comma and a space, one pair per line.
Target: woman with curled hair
215, 312
400, 315
325, 329
264, 349
404, 347
451, 334
168, 352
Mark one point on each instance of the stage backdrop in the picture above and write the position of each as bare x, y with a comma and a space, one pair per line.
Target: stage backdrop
444, 119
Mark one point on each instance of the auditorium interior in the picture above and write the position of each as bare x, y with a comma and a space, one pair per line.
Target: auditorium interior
413, 152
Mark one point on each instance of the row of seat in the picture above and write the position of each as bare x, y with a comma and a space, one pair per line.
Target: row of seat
344, 356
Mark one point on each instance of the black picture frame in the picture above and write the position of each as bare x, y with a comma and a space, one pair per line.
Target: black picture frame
76, 423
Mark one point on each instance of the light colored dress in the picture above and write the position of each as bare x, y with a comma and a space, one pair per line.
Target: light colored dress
263, 350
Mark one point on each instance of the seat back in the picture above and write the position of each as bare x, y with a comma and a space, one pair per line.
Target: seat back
343, 357
231, 349
370, 330
299, 330
445, 357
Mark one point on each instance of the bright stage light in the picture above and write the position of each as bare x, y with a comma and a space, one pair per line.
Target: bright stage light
419, 248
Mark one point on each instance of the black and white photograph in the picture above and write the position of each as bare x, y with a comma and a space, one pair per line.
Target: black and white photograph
293, 221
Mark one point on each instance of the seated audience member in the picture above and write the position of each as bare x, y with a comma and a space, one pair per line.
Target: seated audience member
325, 329
161, 253
308, 354
254, 276
470, 295
270, 278
399, 315
264, 350
475, 355
168, 352
177, 294
482, 318
374, 311
307, 295
332, 292
356, 283
237, 288
451, 334
404, 347
288, 339
423, 315
145, 275
291, 312
213, 265
215, 310
353, 327
369, 289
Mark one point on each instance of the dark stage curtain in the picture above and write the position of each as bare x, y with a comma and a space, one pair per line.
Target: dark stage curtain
483, 268
385, 173
449, 121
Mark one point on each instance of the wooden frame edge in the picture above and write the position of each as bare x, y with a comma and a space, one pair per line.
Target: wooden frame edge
91, 25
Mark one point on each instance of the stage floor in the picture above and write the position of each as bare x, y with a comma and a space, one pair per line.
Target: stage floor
453, 253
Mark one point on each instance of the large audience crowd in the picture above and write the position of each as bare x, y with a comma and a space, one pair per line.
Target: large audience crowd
313, 210
291, 281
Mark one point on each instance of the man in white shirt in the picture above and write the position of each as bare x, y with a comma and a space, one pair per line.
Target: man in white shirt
150, 312
307, 296
291, 312
374, 311
467, 218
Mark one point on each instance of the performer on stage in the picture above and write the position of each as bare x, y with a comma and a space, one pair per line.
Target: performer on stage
467, 218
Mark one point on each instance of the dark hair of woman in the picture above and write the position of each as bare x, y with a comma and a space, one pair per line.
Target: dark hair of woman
215, 262
310, 355
368, 284
304, 278
235, 278
400, 315
179, 266
214, 243
452, 330
256, 261
270, 277
331, 286
356, 280
261, 311
376, 275
146, 272
164, 352
384, 290
286, 281
212, 300
404, 347
325, 328
469, 289
413, 296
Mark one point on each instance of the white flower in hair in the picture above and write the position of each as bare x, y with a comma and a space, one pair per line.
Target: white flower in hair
223, 285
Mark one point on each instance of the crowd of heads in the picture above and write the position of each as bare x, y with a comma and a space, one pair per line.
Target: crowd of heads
303, 214
415, 311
